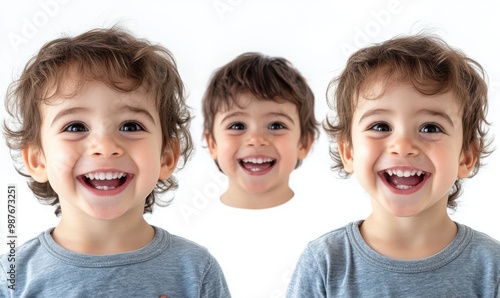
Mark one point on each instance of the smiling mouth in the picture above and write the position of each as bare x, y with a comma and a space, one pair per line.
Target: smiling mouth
404, 179
257, 164
104, 180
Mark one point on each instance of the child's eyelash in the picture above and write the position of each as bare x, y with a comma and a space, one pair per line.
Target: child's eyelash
236, 126
436, 127
379, 126
75, 127
125, 126
138, 126
277, 125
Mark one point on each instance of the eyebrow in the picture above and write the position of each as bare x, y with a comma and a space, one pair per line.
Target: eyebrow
124, 108
442, 115
137, 110
373, 112
233, 114
68, 112
238, 113
279, 114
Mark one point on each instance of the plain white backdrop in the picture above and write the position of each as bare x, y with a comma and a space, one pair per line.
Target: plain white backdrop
315, 36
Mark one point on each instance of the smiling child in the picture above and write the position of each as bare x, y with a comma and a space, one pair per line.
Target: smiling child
102, 124
410, 124
259, 126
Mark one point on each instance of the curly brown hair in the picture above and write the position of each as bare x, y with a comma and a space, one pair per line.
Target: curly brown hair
112, 56
432, 67
267, 78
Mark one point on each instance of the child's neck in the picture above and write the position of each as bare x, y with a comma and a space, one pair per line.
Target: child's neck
408, 238
103, 237
239, 198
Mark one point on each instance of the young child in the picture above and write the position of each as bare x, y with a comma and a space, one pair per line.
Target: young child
102, 125
411, 125
259, 125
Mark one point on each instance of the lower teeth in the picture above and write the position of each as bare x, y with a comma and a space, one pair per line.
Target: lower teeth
403, 187
105, 187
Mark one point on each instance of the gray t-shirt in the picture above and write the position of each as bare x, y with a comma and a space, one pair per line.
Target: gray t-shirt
168, 266
341, 264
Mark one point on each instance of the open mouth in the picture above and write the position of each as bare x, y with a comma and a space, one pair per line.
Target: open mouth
404, 179
256, 165
104, 180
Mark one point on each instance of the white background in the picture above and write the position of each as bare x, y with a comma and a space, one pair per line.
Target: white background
315, 36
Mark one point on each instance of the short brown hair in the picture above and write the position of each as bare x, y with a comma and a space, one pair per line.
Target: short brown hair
267, 78
112, 56
432, 67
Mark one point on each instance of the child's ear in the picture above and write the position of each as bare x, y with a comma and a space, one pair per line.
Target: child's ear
467, 162
34, 161
211, 144
305, 147
346, 154
169, 159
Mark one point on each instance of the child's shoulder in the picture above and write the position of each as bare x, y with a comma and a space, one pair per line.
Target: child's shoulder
482, 242
27, 250
33, 243
480, 253
179, 243
337, 239
185, 249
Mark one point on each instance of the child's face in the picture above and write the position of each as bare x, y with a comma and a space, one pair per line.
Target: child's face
257, 146
101, 152
406, 149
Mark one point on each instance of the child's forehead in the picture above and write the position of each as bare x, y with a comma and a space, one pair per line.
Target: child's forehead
74, 86
379, 79
375, 87
392, 92
245, 99
72, 79
97, 97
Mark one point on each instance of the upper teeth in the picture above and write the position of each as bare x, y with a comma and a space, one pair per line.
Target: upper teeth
403, 173
105, 175
257, 160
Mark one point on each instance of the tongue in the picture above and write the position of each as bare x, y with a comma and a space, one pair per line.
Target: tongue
100, 183
408, 181
256, 166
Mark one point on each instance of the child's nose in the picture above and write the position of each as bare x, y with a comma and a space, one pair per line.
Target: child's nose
257, 139
403, 145
105, 145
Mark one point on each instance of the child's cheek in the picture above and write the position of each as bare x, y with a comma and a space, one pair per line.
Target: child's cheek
64, 161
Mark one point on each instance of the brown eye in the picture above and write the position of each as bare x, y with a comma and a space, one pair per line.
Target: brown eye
430, 128
131, 126
75, 127
380, 127
237, 126
276, 126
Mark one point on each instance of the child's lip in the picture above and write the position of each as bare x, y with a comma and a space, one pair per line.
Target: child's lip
105, 182
403, 179
257, 165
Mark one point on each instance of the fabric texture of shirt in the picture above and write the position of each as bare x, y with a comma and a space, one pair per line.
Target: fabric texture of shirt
341, 264
168, 266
